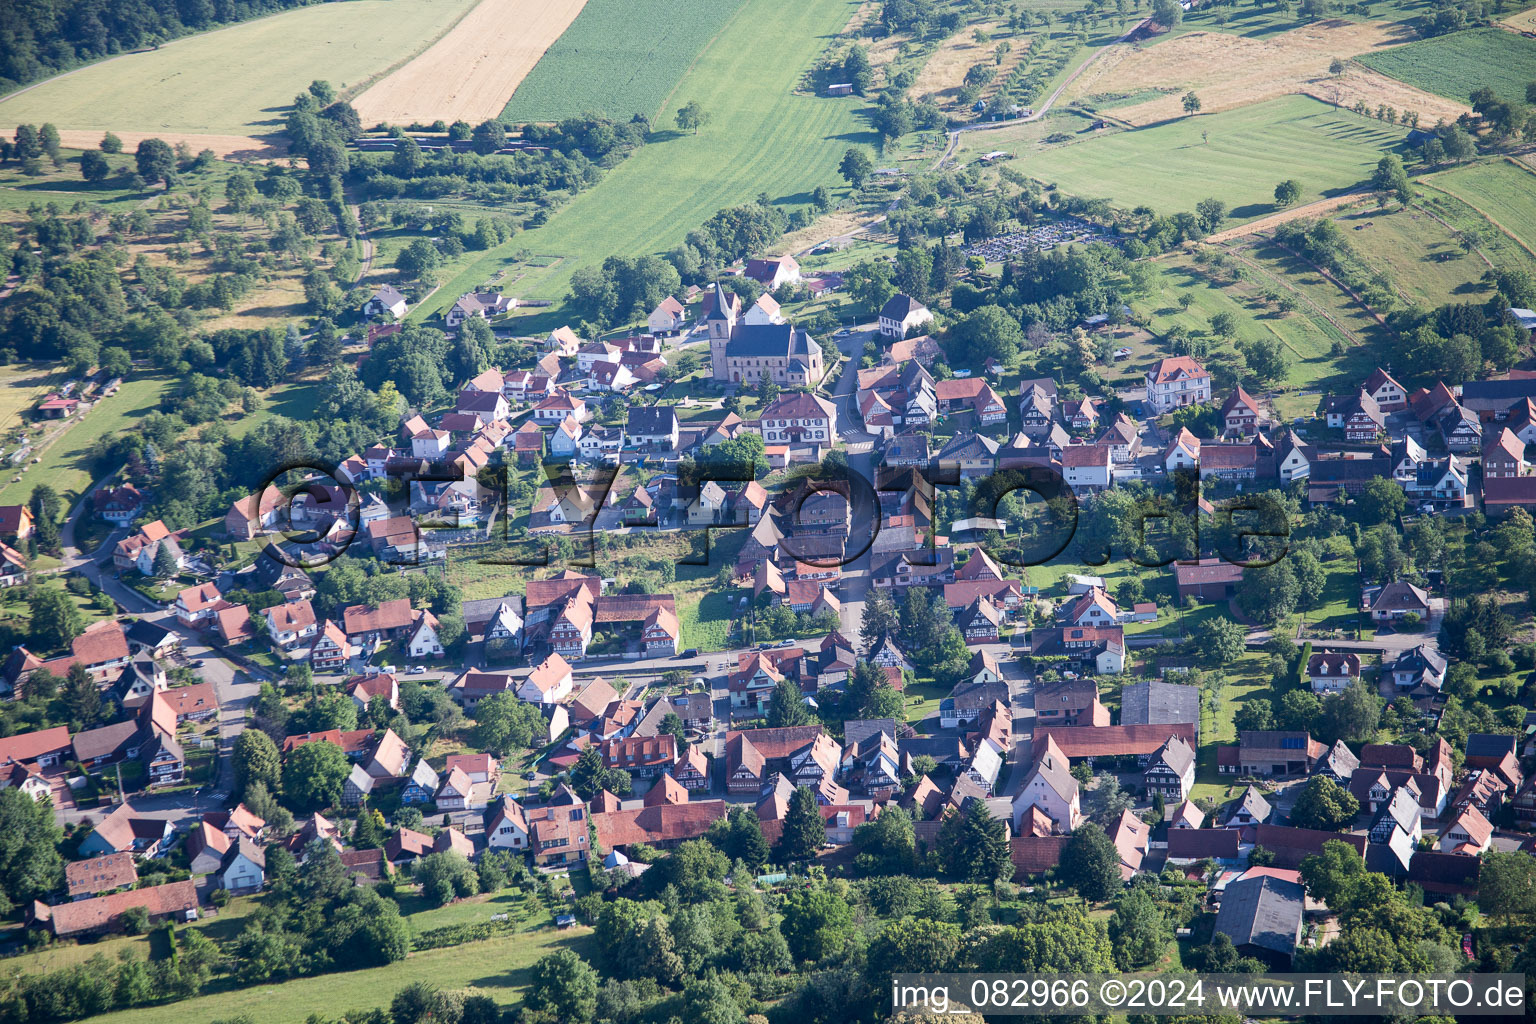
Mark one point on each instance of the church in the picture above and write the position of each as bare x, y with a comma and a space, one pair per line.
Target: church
749, 347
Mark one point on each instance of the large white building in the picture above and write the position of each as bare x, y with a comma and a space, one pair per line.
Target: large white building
1176, 381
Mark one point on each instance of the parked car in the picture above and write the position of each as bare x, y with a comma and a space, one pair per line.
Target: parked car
692, 652
417, 670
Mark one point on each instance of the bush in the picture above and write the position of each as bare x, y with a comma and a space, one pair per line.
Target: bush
135, 921
219, 897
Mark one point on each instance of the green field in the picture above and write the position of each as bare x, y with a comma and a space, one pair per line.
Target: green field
63, 462
236, 80
619, 57
1170, 167
1425, 261
1503, 192
763, 137
498, 967
1456, 65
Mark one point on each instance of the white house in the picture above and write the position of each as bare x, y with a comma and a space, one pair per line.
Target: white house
244, 868
423, 641
1177, 380
387, 300
1050, 787
290, 622
668, 317
902, 313
507, 828
549, 683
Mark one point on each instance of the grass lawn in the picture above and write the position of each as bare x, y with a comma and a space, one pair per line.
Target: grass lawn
498, 967
63, 463
523, 908
620, 58
1247, 679
1170, 167
1501, 190
64, 186
1422, 255
236, 80
923, 700
704, 621
1456, 65
22, 386
763, 137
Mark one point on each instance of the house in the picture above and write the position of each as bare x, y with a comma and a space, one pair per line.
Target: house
290, 623
1249, 809
478, 767
1469, 833
558, 833
406, 845
506, 828
1389, 395
15, 522
1087, 467
973, 455
668, 317
86, 878
358, 787
553, 410
562, 341
1171, 770
195, 605
799, 418
1240, 413
1332, 671
1093, 609
123, 831
421, 785
651, 427
753, 755
422, 640
1050, 787
1277, 752
1070, 702
331, 649
244, 868
369, 624
1175, 381
1503, 454
1460, 428
477, 304
1208, 579
138, 550
549, 683
1262, 915
773, 271
1190, 843
1358, 415
458, 793
902, 313
175, 901
643, 757
386, 301
660, 825
1092, 649
118, 505
1131, 837
1397, 599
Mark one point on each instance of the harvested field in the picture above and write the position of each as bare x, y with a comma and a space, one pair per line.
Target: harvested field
1230, 71
471, 72
1525, 21
944, 74
235, 147
235, 81
828, 226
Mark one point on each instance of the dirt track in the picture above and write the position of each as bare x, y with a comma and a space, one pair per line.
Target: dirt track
471, 72
238, 147
1274, 220
1233, 71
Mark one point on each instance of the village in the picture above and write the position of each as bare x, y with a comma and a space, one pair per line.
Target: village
631, 744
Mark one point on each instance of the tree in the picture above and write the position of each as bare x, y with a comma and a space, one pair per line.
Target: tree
1336, 66
419, 260
856, 166
1218, 641
672, 723
1390, 178
589, 775
111, 143
94, 166
1310, 579
887, 847
504, 724
81, 696
490, 135
256, 759
30, 866
562, 987
1382, 501
314, 775
1167, 13
1090, 864
1190, 101
1506, 885
973, 845
1139, 929
912, 946
54, 620
740, 837
47, 508
1330, 874
446, 876
1352, 715
988, 333
1322, 805
1210, 213
817, 923
165, 566
156, 161
787, 707
804, 830
692, 116
370, 832
870, 283
1287, 192
1269, 593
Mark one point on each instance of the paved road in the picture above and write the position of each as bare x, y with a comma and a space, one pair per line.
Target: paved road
234, 690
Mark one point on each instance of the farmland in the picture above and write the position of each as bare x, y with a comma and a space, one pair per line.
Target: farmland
1421, 253
1502, 191
235, 80
620, 58
1457, 64
498, 967
472, 71
63, 463
669, 187
1229, 155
